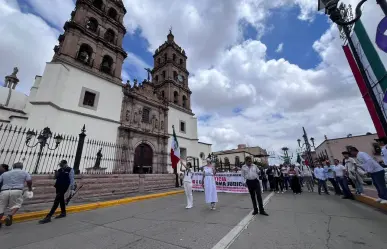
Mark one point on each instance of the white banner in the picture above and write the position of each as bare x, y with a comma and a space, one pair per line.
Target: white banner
225, 182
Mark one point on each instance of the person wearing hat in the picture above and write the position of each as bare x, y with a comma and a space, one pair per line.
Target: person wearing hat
355, 173
375, 170
64, 179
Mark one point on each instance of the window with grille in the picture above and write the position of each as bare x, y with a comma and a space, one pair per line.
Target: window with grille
145, 115
89, 99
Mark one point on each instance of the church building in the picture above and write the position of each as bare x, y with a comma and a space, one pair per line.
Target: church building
82, 85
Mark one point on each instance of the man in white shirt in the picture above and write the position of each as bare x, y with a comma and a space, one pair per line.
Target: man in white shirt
375, 170
319, 173
340, 172
251, 174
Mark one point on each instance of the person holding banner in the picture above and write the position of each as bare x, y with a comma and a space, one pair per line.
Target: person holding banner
209, 184
187, 183
251, 174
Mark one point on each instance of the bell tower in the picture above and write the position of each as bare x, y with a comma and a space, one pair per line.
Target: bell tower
170, 74
92, 40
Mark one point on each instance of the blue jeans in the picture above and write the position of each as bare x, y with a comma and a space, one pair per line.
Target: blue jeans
380, 184
359, 186
286, 182
344, 185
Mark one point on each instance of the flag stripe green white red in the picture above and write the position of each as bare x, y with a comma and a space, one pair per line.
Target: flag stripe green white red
175, 150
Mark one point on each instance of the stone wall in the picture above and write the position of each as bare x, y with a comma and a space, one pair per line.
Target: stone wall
102, 187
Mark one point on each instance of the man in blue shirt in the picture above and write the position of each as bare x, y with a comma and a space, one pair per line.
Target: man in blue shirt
330, 170
320, 174
64, 179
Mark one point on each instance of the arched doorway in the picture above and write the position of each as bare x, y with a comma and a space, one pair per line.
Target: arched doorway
143, 159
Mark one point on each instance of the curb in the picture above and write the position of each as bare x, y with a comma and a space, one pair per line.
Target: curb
91, 206
368, 201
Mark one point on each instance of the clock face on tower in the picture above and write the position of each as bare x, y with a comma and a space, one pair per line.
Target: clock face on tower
180, 78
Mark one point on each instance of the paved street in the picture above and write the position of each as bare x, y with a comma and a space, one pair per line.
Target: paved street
306, 221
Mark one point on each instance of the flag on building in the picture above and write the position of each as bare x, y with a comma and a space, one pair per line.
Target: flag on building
175, 150
374, 70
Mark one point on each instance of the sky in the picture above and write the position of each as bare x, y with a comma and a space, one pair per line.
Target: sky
259, 70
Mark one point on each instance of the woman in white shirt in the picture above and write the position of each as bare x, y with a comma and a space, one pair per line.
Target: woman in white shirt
187, 183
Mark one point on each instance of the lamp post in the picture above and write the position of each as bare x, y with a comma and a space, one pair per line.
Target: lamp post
342, 16
307, 146
43, 138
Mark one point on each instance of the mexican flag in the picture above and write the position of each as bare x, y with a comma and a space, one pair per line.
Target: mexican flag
175, 150
374, 69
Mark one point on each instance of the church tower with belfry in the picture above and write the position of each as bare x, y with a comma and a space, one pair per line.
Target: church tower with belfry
170, 78
82, 84
170, 74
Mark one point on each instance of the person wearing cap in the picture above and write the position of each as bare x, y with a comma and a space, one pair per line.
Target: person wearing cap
209, 184
11, 194
375, 170
250, 172
64, 179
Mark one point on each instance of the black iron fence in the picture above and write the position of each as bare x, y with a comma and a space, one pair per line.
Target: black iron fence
41, 156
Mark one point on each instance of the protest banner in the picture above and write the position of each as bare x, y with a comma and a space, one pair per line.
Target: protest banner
225, 182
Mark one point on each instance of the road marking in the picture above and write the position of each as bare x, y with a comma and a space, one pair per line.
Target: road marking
227, 240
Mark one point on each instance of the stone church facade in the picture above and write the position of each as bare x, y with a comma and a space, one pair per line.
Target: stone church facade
82, 85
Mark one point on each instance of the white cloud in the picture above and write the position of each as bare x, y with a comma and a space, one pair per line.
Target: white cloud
280, 48
226, 72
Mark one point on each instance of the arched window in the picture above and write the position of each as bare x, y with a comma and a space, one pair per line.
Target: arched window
92, 24
184, 101
112, 13
163, 94
158, 61
85, 53
98, 4
165, 57
175, 98
202, 155
109, 35
181, 62
174, 57
174, 75
157, 78
237, 161
164, 75
107, 63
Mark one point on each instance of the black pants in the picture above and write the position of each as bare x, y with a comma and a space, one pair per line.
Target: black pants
59, 200
335, 186
279, 184
264, 184
322, 183
295, 184
271, 182
255, 190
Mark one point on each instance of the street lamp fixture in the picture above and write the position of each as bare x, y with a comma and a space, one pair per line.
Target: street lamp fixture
331, 9
42, 138
306, 147
312, 140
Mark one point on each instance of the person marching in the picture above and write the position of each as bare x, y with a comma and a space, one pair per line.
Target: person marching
11, 194
294, 180
308, 177
187, 183
64, 179
251, 174
209, 184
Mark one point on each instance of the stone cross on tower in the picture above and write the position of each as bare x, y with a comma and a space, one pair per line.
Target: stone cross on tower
12, 80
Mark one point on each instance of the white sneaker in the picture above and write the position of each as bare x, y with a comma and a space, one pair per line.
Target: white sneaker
188, 207
383, 202
378, 200
278, 192
282, 192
